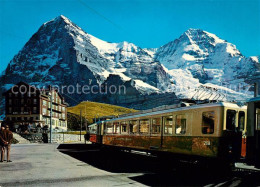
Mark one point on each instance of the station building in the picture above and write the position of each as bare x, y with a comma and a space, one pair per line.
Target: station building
26, 104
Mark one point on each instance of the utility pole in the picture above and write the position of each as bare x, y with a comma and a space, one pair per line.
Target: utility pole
80, 124
86, 124
51, 115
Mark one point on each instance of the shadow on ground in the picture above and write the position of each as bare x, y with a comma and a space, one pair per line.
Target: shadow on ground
157, 172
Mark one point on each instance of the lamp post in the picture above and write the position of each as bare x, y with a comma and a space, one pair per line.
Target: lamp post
50, 94
80, 125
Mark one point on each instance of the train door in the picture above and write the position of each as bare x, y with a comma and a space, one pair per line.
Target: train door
257, 135
233, 135
100, 132
253, 133
167, 131
156, 133
242, 129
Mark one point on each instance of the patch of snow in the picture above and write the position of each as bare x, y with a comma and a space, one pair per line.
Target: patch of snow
188, 57
255, 58
144, 87
150, 51
217, 39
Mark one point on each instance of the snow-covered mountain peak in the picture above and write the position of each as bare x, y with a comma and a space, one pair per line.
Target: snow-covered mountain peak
59, 20
62, 18
62, 53
201, 36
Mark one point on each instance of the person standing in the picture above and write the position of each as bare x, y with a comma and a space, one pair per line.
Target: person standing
8, 139
87, 136
2, 143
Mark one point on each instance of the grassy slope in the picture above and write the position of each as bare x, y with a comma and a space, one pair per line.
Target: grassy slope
92, 109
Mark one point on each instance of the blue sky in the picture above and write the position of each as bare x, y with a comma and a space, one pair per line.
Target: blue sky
146, 23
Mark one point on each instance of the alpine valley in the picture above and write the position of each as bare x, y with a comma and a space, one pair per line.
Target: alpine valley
61, 53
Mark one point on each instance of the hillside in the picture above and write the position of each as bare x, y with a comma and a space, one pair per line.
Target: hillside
92, 109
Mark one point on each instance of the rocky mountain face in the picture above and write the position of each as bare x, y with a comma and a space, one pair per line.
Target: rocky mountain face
61, 53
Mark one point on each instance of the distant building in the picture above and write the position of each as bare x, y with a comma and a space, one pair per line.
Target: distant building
26, 104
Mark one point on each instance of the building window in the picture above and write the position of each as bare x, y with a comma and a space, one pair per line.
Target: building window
28, 101
44, 103
22, 101
156, 125
44, 111
10, 110
10, 94
34, 101
180, 127
208, 121
34, 110
16, 102
63, 116
22, 109
133, 126
10, 101
168, 122
144, 126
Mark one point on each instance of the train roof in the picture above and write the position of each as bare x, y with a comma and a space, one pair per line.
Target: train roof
254, 99
173, 108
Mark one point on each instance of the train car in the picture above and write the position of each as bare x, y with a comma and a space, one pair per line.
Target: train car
96, 132
253, 132
215, 131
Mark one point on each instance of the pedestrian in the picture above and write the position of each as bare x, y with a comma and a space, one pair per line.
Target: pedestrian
87, 136
2, 143
29, 128
8, 139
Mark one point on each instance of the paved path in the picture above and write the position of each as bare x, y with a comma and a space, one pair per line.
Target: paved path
44, 165
87, 165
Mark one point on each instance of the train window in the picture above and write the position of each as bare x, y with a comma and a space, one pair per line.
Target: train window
241, 120
109, 128
156, 125
168, 122
231, 120
133, 126
144, 126
180, 127
116, 128
208, 121
123, 127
